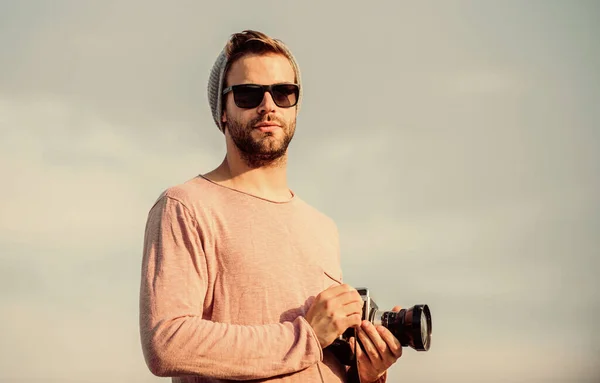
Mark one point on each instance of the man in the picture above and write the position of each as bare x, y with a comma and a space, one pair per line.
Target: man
241, 279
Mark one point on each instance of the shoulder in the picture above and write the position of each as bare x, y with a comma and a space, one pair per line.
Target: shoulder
196, 195
192, 202
189, 192
316, 215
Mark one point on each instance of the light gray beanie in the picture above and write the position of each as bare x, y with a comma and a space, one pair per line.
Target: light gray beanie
217, 79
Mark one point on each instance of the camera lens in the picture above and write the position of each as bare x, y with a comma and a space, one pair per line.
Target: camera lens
425, 332
412, 327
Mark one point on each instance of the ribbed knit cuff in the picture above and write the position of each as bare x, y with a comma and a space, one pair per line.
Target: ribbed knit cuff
313, 335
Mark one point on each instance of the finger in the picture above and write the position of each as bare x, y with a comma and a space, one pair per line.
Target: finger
344, 292
361, 357
378, 343
394, 347
358, 351
369, 346
350, 302
396, 309
332, 303
351, 296
353, 308
333, 291
342, 289
352, 321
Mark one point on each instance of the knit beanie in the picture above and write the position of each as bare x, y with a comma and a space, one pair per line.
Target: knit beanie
217, 79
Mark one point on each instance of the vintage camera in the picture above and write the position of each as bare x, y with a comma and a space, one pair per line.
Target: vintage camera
412, 327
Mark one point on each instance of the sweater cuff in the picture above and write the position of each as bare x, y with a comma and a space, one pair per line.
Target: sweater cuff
313, 336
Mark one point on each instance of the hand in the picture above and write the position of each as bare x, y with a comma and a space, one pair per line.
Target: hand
381, 350
333, 311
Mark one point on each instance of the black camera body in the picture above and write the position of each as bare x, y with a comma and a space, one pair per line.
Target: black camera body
412, 327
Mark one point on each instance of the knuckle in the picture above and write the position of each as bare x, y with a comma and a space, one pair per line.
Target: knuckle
339, 329
338, 324
320, 298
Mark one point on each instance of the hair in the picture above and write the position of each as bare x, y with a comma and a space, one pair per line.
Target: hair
252, 42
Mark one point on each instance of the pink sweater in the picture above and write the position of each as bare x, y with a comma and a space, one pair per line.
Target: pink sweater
227, 279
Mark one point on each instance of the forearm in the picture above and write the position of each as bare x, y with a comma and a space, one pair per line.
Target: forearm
193, 346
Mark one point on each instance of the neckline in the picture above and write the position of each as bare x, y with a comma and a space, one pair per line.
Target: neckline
289, 200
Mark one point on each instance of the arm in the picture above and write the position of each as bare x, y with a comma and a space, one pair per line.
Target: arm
176, 340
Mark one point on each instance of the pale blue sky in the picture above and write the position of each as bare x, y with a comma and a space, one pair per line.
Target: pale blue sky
455, 143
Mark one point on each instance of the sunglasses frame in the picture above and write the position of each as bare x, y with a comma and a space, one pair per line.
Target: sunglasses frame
265, 88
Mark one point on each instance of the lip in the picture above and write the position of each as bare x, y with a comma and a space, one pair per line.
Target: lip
267, 126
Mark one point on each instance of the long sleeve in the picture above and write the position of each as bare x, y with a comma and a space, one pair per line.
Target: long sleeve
352, 376
176, 340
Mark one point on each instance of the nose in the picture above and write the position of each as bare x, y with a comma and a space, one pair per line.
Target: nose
267, 105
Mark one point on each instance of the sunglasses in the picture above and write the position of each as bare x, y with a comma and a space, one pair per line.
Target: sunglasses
250, 96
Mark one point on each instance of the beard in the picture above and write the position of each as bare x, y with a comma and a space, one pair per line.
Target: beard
266, 150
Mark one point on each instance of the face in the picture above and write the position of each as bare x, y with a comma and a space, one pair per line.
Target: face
261, 134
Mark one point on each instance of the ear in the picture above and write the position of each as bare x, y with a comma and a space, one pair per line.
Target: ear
224, 117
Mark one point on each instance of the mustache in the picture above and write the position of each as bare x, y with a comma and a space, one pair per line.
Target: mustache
268, 118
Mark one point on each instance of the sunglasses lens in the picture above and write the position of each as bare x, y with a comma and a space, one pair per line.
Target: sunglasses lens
248, 96
285, 95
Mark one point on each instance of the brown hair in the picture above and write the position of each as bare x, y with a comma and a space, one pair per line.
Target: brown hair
252, 42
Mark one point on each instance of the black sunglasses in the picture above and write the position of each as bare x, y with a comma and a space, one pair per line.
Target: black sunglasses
250, 96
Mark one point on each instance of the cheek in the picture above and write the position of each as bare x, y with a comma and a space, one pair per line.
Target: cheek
291, 122
289, 115
241, 118
229, 114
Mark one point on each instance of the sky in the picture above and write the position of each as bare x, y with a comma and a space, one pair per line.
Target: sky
455, 143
